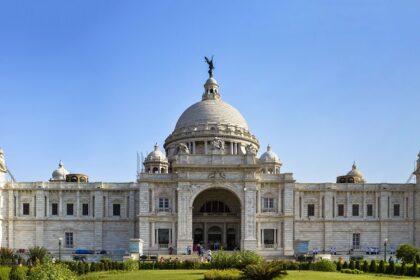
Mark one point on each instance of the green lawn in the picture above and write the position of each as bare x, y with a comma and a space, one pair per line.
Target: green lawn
198, 274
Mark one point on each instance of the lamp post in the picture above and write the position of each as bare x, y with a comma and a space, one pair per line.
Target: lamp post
385, 243
59, 248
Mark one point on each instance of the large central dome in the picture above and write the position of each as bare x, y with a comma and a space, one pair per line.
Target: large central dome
207, 120
211, 111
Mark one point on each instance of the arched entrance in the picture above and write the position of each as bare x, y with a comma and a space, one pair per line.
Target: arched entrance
217, 219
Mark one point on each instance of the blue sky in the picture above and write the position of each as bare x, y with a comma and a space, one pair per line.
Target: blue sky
324, 82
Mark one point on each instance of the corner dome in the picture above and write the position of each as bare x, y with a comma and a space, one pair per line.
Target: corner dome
60, 173
269, 156
211, 111
156, 155
355, 172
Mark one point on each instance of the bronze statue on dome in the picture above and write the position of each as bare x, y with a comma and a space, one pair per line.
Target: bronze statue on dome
211, 66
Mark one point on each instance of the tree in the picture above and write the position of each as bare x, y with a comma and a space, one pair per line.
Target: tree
407, 253
37, 254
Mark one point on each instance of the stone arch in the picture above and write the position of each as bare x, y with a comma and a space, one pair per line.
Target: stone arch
233, 189
207, 221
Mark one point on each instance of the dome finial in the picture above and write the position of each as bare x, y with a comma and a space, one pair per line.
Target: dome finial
354, 165
156, 146
268, 148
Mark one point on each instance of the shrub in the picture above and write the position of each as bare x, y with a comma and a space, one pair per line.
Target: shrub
372, 267
381, 267
352, 266
339, 266
351, 271
357, 265
239, 259
50, 271
402, 269
6, 256
130, 265
263, 271
390, 269
323, 265
37, 254
345, 265
228, 274
407, 253
413, 270
17, 273
365, 266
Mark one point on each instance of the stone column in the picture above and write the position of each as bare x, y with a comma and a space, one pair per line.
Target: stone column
279, 208
287, 228
11, 215
99, 207
78, 204
184, 217
60, 203
250, 238
259, 201
153, 235
39, 218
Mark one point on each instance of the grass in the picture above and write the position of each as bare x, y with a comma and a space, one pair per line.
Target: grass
198, 275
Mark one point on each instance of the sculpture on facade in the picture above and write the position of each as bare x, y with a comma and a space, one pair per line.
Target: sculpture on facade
183, 149
217, 144
3, 167
251, 150
211, 66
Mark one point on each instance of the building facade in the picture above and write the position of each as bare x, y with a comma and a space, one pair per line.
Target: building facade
208, 186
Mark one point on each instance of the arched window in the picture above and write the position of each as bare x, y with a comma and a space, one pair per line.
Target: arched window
162, 170
155, 170
214, 206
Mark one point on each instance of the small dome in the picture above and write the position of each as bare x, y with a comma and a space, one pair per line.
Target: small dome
156, 155
269, 156
60, 173
211, 81
355, 172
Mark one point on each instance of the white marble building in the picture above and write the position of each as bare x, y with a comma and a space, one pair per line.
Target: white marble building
208, 186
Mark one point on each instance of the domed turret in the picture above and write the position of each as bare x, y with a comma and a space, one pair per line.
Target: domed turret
270, 162
156, 161
60, 173
353, 176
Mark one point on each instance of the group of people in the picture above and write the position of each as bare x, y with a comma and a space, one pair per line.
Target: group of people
200, 251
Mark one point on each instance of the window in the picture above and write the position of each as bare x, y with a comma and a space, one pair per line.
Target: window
268, 204
214, 206
116, 209
311, 210
163, 204
85, 209
340, 210
369, 210
356, 240
25, 210
68, 242
54, 209
70, 210
396, 210
355, 210
163, 237
269, 238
